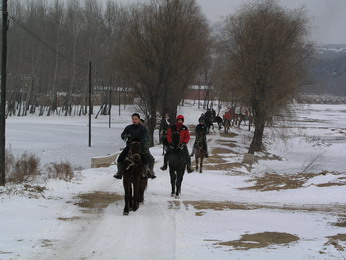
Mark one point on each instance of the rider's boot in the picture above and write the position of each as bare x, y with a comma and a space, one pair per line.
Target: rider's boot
164, 166
189, 168
119, 174
148, 172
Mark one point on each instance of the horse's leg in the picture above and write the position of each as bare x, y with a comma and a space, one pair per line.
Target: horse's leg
201, 165
135, 198
180, 175
143, 185
127, 196
130, 197
196, 162
173, 179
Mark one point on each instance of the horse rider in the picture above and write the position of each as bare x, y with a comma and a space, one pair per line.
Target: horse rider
227, 116
165, 124
150, 157
201, 117
184, 139
213, 113
135, 131
208, 114
201, 129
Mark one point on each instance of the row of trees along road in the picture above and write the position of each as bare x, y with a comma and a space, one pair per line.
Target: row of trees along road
158, 48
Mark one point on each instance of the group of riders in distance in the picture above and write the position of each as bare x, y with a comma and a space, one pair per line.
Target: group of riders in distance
135, 163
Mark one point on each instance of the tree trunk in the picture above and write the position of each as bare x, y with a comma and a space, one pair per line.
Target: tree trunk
256, 144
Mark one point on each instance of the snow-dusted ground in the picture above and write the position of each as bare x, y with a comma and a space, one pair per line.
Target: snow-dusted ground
212, 207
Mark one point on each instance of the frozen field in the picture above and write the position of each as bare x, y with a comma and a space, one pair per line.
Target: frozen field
289, 204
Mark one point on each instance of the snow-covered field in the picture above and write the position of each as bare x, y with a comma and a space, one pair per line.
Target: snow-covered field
289, 204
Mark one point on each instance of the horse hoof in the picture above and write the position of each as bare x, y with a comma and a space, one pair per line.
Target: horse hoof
172, 194
125, 213
177, 197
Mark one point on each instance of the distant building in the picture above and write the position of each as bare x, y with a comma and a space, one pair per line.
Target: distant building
202, 92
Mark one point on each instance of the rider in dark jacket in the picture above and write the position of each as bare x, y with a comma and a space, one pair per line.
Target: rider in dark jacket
135, 131
201, 129
184, 139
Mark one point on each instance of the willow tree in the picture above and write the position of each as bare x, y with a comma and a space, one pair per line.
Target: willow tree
267, 48
164, 46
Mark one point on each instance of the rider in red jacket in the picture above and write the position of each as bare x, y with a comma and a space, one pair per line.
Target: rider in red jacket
184, 139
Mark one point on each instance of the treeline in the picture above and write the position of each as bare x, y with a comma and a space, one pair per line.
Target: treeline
158, 49
50, 44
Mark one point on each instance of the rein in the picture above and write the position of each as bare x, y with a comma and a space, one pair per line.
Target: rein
130, 157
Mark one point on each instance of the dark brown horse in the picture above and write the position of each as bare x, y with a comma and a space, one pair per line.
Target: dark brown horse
134, 183
200, 151
226, 125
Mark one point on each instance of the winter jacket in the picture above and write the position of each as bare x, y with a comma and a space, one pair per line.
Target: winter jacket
201, 128
135, 133
184, 133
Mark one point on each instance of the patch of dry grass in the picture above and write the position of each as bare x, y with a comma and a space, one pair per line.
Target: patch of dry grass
229, 134
274, 181
260, 240
97, 200
217, 205
69, 219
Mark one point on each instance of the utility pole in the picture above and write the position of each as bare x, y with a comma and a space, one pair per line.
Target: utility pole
89, 103
110, 100
3, 93
119, 99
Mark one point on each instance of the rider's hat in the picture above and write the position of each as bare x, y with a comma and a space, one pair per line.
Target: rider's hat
180, 117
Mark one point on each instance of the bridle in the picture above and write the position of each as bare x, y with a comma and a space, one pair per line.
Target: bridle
133, 158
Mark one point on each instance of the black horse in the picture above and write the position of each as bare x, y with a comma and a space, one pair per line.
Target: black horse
219, 121
133, 181
177, 165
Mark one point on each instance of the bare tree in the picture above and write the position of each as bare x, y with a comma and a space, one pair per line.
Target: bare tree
267, 48
164, 45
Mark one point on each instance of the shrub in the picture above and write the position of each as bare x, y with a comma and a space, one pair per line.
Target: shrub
62, 171
22, 169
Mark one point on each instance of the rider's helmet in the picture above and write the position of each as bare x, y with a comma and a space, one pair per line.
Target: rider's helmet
180, 117
201, 120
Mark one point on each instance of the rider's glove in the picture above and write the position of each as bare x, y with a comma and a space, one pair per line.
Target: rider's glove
126, 136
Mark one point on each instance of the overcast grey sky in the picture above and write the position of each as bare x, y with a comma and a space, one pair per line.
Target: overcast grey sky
328, 17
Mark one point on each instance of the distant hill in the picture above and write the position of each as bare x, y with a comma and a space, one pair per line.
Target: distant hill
328, 70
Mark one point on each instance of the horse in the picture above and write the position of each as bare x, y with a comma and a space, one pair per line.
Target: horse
209, 123
226, 125
177, 165
133, 181
200, 151
219, 121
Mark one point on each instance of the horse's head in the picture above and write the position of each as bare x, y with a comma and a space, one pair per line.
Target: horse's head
135, 151
176, 139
